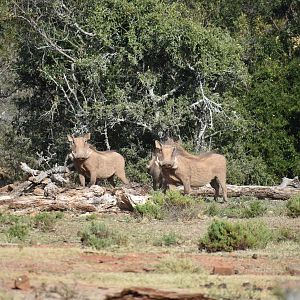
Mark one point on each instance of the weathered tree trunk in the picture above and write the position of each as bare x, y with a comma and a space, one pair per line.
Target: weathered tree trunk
260, 192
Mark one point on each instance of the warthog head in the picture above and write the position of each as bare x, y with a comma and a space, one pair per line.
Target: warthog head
166, 155
80, 147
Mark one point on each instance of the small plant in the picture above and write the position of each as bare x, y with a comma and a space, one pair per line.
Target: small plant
225, 236
99, 236
212, 210
177, 265
286, 234
91, 217
168, 239
17, 231
293, 206
150, 210
255, 209
45, 221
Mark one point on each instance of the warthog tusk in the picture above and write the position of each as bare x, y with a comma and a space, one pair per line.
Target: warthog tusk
175, 166
89, 153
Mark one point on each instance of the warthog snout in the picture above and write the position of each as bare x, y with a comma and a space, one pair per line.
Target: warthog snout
166, 164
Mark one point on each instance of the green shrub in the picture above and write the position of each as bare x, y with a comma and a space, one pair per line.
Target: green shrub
17, 231
237, 209
168, 239
98, 235
46, 221
255, 209
293, 206
212, 210
91, 217
225, 236
171, 205
177, 265
287, 234
150, 210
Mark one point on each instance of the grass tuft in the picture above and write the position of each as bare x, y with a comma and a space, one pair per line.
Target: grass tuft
293, 206
99, 236
177, 265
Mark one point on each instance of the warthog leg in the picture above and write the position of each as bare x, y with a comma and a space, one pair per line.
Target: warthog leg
216, 183
111, 181
216, 186
82, 179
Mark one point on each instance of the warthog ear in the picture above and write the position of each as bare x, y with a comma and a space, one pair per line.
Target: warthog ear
70, 138
158, 145
87, 136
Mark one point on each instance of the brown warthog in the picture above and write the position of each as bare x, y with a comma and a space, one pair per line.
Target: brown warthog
177, 165
155, 171
94, 164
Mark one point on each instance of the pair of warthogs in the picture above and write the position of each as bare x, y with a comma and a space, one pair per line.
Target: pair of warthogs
170, 165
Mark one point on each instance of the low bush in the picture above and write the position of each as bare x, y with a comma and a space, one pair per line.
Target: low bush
17, 232
293, 206
46, 221
254, 209
286, 234
177, 265
172, 205
237, 209
98, 235
168, 239
226, 236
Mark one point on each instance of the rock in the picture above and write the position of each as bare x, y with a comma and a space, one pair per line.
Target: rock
22, 283
98, 190
108, 199
254, 256
294, 270
7, 188
224, 270
51, 190
127, 201
38, 192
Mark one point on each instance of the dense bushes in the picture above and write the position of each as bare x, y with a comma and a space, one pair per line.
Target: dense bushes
225, 236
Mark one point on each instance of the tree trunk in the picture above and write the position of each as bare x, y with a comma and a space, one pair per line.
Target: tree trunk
260, 192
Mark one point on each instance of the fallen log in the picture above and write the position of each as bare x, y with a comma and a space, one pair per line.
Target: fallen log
260, 192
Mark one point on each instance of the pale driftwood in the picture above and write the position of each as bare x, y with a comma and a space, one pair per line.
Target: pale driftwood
260, 192
28, 170
23, 187
286, 182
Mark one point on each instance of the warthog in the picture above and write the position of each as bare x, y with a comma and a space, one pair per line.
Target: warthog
177, 165
155, 171
95, 164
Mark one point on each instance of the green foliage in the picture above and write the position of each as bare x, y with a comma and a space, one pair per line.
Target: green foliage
17, 231
98, 236
91, 217
242, 208
129, 71
287, 234
212, 210
46, 221
171, 205
177, 265
225, 236
255, 209
293, 206
168, 239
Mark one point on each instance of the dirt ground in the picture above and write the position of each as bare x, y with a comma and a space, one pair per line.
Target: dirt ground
55, 265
